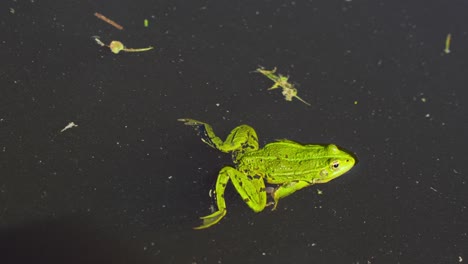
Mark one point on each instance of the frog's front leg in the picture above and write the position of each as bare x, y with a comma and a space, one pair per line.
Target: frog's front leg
285, 190
250, 188
240, 138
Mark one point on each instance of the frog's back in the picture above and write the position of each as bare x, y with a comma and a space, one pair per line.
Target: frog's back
294, 152
285, 148
284, 160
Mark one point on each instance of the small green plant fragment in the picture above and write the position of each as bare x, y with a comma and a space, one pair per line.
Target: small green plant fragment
281, 81
117, 46
447, 43
145, 22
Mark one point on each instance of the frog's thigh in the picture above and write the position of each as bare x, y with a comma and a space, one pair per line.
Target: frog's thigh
241, 137
250, 188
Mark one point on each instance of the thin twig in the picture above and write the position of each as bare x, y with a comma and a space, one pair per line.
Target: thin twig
107, 20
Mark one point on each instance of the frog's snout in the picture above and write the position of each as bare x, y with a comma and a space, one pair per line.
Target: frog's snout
350, 161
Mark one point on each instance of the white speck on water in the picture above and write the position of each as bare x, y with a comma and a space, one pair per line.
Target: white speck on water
68, 126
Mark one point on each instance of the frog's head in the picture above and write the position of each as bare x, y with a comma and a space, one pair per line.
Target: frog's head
338, 163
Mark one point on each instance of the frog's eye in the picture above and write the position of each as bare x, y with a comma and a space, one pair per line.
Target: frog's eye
335, 165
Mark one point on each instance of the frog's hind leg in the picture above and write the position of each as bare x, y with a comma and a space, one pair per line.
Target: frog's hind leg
251, 189
241, 138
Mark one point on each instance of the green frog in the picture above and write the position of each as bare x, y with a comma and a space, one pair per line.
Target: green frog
288, 165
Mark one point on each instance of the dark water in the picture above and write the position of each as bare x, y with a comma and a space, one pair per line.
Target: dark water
128, 184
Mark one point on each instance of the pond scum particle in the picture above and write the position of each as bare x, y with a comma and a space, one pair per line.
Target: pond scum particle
289, 91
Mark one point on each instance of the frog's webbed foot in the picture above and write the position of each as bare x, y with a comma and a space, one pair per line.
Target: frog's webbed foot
211, 219
190, 122
241, 138
204, 131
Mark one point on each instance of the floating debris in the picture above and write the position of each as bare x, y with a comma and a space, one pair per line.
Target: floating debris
98, 41
70, 125
117, 46
447, 43
281, 81
145, 22
108, 21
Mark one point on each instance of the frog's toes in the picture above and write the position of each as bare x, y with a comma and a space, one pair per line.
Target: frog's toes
211, 219
190, 122
270, 204
274, 206
200, 127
